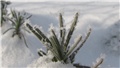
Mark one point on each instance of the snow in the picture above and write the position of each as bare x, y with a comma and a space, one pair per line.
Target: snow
51, 27
49, 64
45, 62
14, 51
102, 17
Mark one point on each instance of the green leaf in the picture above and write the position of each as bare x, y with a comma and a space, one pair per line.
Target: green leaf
61, 25
71, 30
82, 42
62, 32
41, 53
8, 30
45, 39
24, 40
74, 45
33, 31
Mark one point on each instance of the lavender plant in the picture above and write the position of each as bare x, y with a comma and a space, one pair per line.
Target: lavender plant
59, 46
18, 20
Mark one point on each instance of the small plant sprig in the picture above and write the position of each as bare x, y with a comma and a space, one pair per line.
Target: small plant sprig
4, 13
59, 46
17, 21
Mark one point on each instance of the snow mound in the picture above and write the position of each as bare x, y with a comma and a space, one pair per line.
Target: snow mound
14, 51
46, 62
112, 41
4, 27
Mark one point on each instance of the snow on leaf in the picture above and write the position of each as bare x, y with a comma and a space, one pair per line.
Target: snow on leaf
51, 27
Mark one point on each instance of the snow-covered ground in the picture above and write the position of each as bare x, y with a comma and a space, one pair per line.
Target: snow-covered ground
102, 17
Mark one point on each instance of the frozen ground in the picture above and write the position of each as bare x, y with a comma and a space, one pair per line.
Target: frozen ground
102, 17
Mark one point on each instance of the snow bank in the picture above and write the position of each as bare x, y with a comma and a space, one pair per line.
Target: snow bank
14, 51
45, 62
112, 41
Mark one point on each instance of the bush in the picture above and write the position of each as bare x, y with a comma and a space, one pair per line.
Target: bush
18, 19
59, 46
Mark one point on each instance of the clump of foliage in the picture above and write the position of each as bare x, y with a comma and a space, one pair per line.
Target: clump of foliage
18, 19
4, 11
59, 46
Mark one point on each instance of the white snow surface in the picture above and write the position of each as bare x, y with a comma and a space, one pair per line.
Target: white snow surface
102, 17
45, 62
14, 51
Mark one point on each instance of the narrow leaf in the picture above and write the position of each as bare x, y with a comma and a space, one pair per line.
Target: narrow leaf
61, 24
45, 39
74, 45
41, 53
82, 42
71, 30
